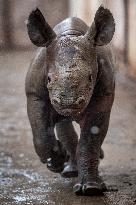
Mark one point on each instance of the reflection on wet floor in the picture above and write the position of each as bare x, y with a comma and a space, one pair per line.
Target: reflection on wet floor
26, 186
24, 180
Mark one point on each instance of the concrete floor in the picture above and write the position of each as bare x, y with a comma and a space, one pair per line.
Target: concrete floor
24, 180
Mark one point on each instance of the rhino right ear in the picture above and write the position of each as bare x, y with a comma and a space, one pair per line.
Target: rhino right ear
39, 31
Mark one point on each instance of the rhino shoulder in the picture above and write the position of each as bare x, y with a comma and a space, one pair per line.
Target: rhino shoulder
36, 76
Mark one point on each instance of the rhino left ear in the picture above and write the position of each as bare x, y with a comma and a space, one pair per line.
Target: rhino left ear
39, 31
103, 27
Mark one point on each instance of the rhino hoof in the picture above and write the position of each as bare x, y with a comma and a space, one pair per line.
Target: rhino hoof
89, 189
69, 171
54, 167
92, 189
77, 189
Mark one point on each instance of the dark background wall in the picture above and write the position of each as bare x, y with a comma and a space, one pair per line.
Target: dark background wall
14, 13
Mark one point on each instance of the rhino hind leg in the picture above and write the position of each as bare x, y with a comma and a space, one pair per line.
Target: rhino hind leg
56, 162
68, 137
101, 153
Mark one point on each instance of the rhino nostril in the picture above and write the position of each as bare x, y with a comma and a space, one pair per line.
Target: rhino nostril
80, 101
56, 101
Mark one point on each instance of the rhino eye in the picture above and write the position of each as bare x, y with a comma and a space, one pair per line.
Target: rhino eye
90, 77
49, 79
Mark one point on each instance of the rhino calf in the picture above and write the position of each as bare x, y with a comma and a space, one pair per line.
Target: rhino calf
71, 79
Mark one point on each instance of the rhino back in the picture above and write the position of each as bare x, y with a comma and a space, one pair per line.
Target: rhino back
72, 25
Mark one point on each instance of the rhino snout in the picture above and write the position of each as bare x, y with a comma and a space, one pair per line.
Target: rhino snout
80, 101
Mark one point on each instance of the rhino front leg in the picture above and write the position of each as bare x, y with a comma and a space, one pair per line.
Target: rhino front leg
93, 131
47, 147
67, 135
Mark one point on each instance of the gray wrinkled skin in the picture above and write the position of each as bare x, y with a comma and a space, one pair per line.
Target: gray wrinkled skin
71, 79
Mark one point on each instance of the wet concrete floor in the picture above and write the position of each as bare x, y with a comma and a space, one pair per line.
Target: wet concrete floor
25, 180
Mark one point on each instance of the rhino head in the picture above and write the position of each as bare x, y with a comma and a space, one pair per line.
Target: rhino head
71, 61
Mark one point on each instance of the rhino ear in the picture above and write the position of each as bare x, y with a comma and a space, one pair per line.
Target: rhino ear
39, 31
103, 27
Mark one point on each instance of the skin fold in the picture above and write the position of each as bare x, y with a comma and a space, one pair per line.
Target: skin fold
71, 79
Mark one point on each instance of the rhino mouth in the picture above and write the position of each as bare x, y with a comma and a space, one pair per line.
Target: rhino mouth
69, 111
67, 108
